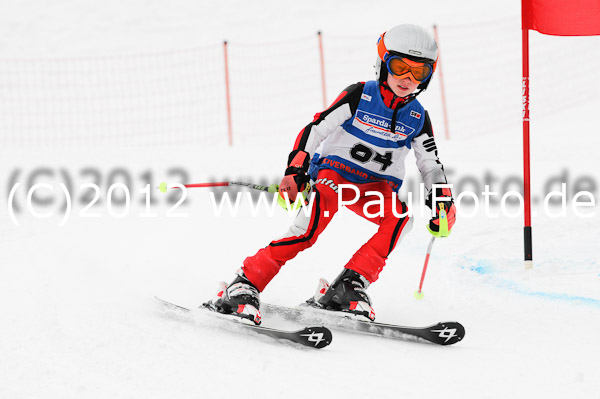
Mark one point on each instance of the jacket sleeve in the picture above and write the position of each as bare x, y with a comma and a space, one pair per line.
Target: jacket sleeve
432, 170
327, 121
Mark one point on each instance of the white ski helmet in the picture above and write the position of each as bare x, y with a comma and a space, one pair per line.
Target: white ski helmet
411, 41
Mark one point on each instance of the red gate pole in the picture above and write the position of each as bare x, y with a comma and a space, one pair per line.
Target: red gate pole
526, 153
227, 95
322, 69
439, 68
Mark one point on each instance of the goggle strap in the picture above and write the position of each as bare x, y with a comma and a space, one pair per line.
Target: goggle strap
381, 49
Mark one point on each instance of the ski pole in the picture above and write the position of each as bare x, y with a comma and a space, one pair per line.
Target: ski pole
273, 188
419, 294
443, 228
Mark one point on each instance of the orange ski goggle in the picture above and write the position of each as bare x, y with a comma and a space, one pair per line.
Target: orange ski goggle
417, 71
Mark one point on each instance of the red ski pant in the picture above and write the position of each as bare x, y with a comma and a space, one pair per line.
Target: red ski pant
368, 260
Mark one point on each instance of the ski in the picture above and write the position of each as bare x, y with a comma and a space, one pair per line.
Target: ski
313, 337
443, 333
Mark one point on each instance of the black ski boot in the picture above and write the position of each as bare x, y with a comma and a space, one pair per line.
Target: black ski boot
240, 297
346, 294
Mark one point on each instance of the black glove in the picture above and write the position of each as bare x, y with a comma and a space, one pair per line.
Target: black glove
437, 227
295, 178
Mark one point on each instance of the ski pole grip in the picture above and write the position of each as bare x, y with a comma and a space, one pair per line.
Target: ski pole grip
443, 221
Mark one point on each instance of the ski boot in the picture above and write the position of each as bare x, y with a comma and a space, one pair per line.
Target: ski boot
240, 298
346, 294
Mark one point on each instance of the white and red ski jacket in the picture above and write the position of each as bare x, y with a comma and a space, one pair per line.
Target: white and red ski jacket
354, 137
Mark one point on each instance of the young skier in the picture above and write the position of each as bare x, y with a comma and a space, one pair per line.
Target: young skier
361, 139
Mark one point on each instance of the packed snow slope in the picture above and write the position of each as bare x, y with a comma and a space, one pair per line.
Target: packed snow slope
76, 294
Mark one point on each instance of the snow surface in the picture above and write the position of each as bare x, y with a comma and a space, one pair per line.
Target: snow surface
78, 315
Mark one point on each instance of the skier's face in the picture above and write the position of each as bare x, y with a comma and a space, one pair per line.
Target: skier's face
401, 87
